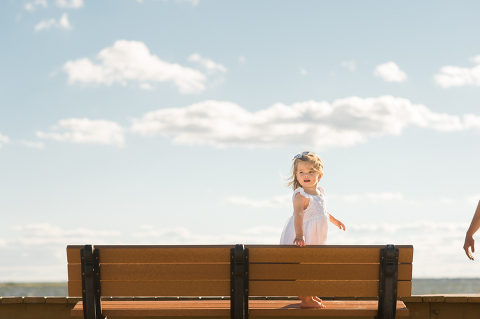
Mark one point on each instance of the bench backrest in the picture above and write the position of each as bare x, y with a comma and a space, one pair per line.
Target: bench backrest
328, 271
340, 271
156, 270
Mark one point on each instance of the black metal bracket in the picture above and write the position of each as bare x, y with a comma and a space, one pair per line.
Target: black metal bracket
239, 282
92, 309
387, 287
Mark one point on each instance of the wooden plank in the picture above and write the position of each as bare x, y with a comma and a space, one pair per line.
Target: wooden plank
155, 254
156, 288
156, 272
323, 271
324, 254
261, 253
326, 288
161, 308
218, 271
334, 308
277, 308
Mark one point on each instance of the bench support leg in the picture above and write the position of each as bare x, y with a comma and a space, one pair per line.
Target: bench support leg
387, 295
239, 282
92, 308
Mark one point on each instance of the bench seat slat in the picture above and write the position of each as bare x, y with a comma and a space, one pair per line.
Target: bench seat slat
326, 288
218, 271
277, 308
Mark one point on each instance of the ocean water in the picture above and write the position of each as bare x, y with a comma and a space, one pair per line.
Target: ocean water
419, 287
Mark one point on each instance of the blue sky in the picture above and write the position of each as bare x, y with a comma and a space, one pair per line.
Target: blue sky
172, 122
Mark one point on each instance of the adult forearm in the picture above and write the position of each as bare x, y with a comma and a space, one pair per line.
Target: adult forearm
475, 224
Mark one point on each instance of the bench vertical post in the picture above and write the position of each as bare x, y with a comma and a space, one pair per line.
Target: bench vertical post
387, 295
239, 282
92, 308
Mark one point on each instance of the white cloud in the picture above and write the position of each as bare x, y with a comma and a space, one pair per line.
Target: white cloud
283, 200
371, 197
192, 2
390, 72
44, 233
70, 4
242, 59
275, 201
29, 244
184, 236
38, 145
32, 6
345, 122
350, 65
451, 76
146, 86
208, 64
473, 199
384, 196
3, 140
303, 71
437, 246
63, 23
132, 61
86, 131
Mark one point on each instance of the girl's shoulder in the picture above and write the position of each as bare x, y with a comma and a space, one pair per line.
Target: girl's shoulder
302, 192
321, 190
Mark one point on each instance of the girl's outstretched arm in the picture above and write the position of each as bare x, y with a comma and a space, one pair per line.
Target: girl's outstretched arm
336, 222
298, 204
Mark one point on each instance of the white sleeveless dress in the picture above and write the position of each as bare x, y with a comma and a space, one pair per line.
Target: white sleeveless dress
315, 220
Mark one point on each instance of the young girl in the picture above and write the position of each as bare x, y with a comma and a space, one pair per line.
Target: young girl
309, 223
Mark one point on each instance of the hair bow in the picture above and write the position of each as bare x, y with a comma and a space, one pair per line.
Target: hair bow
300, 155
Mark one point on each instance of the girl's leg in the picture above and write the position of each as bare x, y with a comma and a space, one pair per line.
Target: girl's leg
310, 302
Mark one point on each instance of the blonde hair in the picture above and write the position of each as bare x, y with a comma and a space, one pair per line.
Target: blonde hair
310, 157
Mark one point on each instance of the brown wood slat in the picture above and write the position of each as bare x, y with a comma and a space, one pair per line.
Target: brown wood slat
334, 308
156, 288
325, 288
323, 271
155, 254
156, 272
324, 254
277, 308
161, 308
261, 253
332, 288
165, 272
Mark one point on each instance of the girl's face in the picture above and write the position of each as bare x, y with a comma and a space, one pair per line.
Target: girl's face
306, 176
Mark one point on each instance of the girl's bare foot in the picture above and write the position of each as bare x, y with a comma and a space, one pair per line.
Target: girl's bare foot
310, 302
314, 298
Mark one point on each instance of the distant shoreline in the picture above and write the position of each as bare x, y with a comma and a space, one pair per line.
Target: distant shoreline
420, 286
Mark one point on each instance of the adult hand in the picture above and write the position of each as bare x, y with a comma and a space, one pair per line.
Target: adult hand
469, 243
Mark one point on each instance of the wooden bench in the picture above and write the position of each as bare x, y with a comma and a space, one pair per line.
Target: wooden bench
240, 272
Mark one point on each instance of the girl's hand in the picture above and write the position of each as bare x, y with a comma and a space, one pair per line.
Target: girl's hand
339, 224
299, 240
